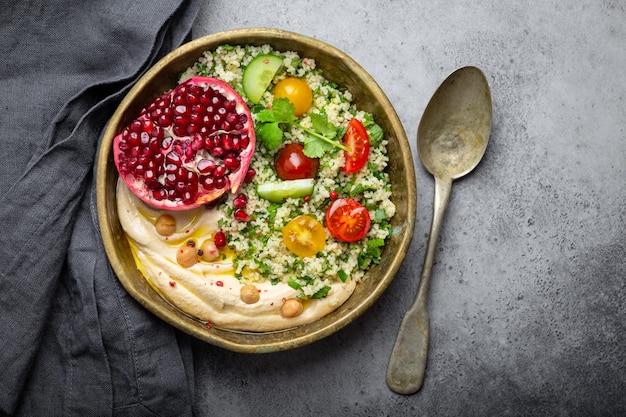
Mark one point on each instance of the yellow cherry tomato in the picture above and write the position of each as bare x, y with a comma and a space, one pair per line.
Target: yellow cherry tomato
297, 91
304, 236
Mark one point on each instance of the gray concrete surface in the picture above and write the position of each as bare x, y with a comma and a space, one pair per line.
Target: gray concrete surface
527, 299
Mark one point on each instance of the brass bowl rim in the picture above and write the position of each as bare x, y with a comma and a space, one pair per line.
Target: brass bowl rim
265, 36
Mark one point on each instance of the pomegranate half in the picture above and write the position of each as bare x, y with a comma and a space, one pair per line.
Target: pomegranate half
187, 147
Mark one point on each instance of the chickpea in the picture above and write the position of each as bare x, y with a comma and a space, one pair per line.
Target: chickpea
249, 294
187, 256
165, 225
291, 308
210, 252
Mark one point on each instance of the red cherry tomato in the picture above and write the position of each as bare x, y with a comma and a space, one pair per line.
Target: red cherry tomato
293, 164
357, 140
347, 220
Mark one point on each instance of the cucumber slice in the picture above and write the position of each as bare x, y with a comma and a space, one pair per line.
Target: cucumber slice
259, 74
277, 192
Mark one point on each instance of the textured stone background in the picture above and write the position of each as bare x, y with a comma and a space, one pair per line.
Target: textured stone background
528, 292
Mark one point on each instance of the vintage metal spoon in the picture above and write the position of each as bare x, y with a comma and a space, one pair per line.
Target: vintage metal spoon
451, 140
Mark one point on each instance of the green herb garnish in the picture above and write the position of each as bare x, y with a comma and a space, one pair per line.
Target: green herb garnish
271, 123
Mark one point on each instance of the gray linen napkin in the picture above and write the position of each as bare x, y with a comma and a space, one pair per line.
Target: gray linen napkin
72, 340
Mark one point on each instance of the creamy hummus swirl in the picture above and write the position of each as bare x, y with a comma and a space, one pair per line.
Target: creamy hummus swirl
209, 291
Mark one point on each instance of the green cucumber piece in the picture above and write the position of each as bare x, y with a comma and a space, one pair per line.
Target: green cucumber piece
258, 75
277, 192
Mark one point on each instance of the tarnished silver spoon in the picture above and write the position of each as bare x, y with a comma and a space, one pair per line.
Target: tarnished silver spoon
451, 140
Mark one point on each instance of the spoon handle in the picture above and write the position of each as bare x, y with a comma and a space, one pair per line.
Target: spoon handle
407, 364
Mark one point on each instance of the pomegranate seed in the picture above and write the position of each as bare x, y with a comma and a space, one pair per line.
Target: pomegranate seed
232, 162
241, 215
178, 99
154, 145
136, 126
170, 179
156, 132
249, 175
208, 183
333, 195
149, 176
245, 141
188, 196
159, 194
132, 162
235, 143
205, 166
241, 201
219, 171
166, 143
143, 159
219, 239
173, 158
164, 120
192, 128
134, 139
217, 151
181, 187
208, 143
179, 130
124, 147
181, 110
192, 98
220, 183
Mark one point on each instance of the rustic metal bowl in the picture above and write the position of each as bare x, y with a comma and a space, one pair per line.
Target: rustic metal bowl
337, 67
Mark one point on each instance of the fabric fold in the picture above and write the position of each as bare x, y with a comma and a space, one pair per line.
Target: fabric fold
74, 342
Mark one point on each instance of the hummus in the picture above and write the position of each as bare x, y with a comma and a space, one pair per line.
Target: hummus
209, 291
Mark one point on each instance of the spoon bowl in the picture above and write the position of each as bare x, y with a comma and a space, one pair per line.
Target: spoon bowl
455, 127
451, 140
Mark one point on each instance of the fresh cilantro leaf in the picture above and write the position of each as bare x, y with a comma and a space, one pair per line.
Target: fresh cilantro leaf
375, 243
257, 108
380, 214
315, 147
270, 135
282, 111
322, 126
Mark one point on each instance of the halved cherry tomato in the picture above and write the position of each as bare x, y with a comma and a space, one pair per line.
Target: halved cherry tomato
304, 236
293, 164
347, 220
297, 91
357, 139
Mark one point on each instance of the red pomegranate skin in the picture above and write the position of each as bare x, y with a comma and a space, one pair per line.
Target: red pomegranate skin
188, 147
